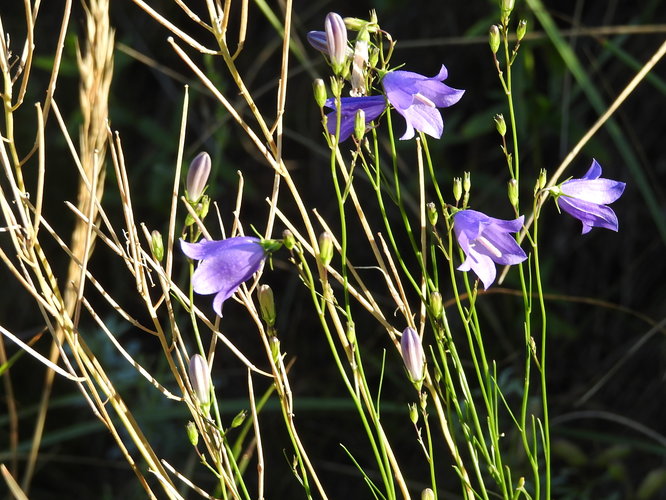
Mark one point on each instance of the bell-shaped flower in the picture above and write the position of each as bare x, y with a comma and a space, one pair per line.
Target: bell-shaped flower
487, 241
224, 265
412, 354
417, 97
586, 199
372, 106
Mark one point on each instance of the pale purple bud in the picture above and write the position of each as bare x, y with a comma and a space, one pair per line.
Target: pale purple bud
200, 378
197, 176
412, 354
336, 37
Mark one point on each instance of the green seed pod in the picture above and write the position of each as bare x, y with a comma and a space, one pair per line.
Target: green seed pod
319, 88
288, 239
494, 38
427, 494
192, 433
239, 419
457, 188
359, 124
413, 413
500, 124
157, 245
436, 304
513, 192
431, 211
521, 30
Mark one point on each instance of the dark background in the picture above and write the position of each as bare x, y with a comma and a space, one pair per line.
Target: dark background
606, 291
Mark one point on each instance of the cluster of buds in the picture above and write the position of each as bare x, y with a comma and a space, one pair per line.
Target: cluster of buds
195, 186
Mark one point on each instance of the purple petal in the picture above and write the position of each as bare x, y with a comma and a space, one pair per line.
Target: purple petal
373, 106
590, 214
600, 191
423, 118
483, 267
594, 172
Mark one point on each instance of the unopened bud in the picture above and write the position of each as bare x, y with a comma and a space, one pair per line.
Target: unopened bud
275, 348
427, 494
543, 178
200, 378
197, 176
513, 192
467, 182
157, 245
506, 7
431, 212
192, 433
325, 248
413, 413
319, 88
494, 38
500, 124
457, 188
359, 124
266, 304
521, 29
412, 354
336, 38
336, 86
288, 239
239, 419
436, 304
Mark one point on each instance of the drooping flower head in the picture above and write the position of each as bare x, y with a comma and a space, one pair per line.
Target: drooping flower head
417, 97
487, 241
586, 199
372, 106
224, 265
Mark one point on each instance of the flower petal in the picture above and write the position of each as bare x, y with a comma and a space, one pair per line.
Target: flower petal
601, 191
373, 106
422, 118
590, 214
483, 267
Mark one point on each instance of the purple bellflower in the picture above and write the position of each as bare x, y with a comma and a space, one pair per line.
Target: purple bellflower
417, 97
224, 265
586, 199
487, 241
372, 106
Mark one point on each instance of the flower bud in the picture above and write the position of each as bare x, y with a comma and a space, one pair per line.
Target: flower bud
513, 192
288, 239
413, 413
521, 29
266, 304
239, 419
200, 378
336, 38
192, 433
467, 182
412, 354
325, 248
351, 332
436, 304
500, 124
319, 92
431, 211
457, 188
157, 245
336, 86
506, 7
197, 176
543, 178
427, 494
494, 38
275, 348
359, 124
